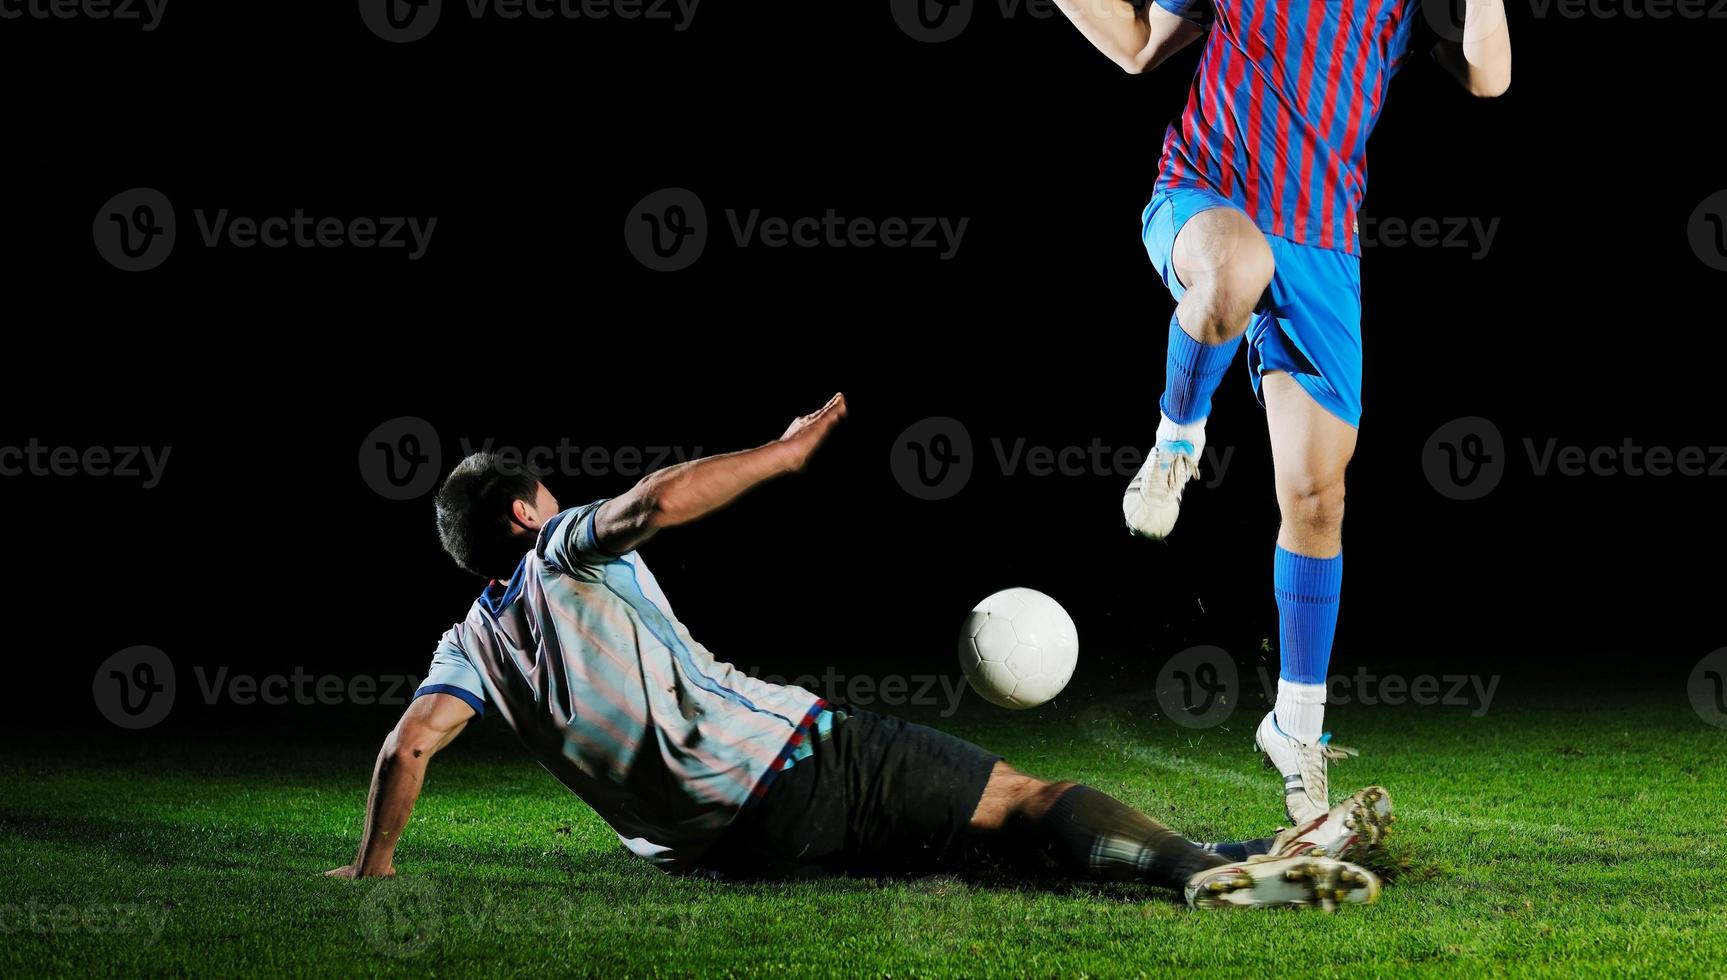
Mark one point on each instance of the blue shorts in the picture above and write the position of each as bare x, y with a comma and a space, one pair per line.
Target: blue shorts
1308, 325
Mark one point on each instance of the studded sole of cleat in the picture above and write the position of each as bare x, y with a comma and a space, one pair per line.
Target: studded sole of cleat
1307, 883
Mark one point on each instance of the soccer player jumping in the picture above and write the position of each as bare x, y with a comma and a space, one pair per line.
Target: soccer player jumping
1252, 227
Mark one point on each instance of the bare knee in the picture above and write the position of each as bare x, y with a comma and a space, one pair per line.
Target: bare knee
1313, 503
1226, 265
1011, 795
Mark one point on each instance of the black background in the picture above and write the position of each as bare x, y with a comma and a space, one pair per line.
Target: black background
1589, 321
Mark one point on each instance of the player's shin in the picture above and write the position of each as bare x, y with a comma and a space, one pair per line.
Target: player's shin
1308, 591
1093, 835
1192, 370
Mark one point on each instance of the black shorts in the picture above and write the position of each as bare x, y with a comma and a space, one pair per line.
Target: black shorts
878, 796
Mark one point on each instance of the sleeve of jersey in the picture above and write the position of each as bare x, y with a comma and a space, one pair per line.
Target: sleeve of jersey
1414, 34
567, 543
454, 674
1199, 12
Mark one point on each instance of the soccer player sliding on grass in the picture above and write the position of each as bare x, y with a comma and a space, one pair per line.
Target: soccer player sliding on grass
1252, 227
701, 768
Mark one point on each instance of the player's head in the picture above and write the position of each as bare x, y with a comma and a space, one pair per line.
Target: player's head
489, 512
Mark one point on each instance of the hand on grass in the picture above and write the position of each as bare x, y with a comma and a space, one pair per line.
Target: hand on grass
353, 871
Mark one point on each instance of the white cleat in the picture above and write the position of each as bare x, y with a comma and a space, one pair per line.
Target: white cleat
1268, 882
1153, 498
1350, 831
1303, 768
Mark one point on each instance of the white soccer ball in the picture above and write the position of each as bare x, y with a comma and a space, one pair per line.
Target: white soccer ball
1018, 648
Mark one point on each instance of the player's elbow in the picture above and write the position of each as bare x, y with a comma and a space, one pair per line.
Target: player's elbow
1489, 86
654, 507
1488, 80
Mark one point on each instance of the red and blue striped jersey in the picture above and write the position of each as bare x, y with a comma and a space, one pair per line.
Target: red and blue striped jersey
1281, 106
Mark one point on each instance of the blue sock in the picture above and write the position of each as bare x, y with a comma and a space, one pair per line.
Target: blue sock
1239, 850
1307, 592
1192, 371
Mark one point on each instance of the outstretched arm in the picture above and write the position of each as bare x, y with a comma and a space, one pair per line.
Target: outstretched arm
690, 491
1136, 40
1481, 61
429, 724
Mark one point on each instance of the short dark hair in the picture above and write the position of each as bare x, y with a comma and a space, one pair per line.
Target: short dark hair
474, 514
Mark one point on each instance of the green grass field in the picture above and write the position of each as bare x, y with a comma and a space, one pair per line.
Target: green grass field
1557, 834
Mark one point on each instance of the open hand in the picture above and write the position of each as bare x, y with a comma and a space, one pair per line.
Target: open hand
808, 432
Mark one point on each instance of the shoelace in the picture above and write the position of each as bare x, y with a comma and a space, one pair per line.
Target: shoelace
1334, 752
1181, 467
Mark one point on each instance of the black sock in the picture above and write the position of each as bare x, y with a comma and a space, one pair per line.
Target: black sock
1094, 835
1239, 850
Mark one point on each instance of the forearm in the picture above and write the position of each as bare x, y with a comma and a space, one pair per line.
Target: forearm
690, 491
1112, 26
1485, 51
396, 783
1136, 40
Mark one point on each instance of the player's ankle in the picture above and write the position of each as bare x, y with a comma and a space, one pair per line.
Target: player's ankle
1169, 430
1300, 710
